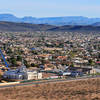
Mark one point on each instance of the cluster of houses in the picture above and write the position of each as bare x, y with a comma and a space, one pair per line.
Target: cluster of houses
52, 54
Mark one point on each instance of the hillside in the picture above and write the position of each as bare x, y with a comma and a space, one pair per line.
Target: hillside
59, 21
11, 26
23, 27
76, 28
74, 90
96, 24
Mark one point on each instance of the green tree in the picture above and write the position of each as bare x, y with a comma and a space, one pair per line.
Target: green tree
19, 58
26, 64
13, 61
91, 62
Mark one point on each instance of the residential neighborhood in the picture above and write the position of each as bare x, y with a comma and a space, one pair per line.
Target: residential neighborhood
54, 54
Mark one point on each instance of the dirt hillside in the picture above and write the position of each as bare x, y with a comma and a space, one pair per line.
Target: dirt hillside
76, 90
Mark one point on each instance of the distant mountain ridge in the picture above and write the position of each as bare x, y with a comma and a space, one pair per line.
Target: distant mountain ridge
26, 27
58, 21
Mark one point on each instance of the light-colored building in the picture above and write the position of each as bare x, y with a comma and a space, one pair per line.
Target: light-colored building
22, 74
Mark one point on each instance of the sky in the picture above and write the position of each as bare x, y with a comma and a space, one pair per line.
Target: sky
51, 8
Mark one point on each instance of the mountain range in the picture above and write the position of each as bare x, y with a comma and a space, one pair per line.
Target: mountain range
57, 21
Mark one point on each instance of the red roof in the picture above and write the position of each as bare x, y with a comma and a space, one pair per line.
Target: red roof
98, 62
61, 57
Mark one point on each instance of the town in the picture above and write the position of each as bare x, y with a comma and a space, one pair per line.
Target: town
49, 55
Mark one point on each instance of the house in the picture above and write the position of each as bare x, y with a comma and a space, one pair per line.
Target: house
61, 57
45, 56
82, 70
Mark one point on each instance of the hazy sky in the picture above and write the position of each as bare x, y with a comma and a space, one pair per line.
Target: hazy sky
51, 8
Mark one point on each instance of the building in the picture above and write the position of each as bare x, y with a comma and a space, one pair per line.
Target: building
82, 70
22, 74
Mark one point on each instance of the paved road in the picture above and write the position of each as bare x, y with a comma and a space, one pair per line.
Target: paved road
49, 81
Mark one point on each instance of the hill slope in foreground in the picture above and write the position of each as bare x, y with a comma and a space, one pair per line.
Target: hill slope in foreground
74, 90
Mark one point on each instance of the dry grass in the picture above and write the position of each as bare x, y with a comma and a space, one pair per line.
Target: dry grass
76, 90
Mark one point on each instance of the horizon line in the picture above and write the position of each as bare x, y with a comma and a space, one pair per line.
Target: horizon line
47, 16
